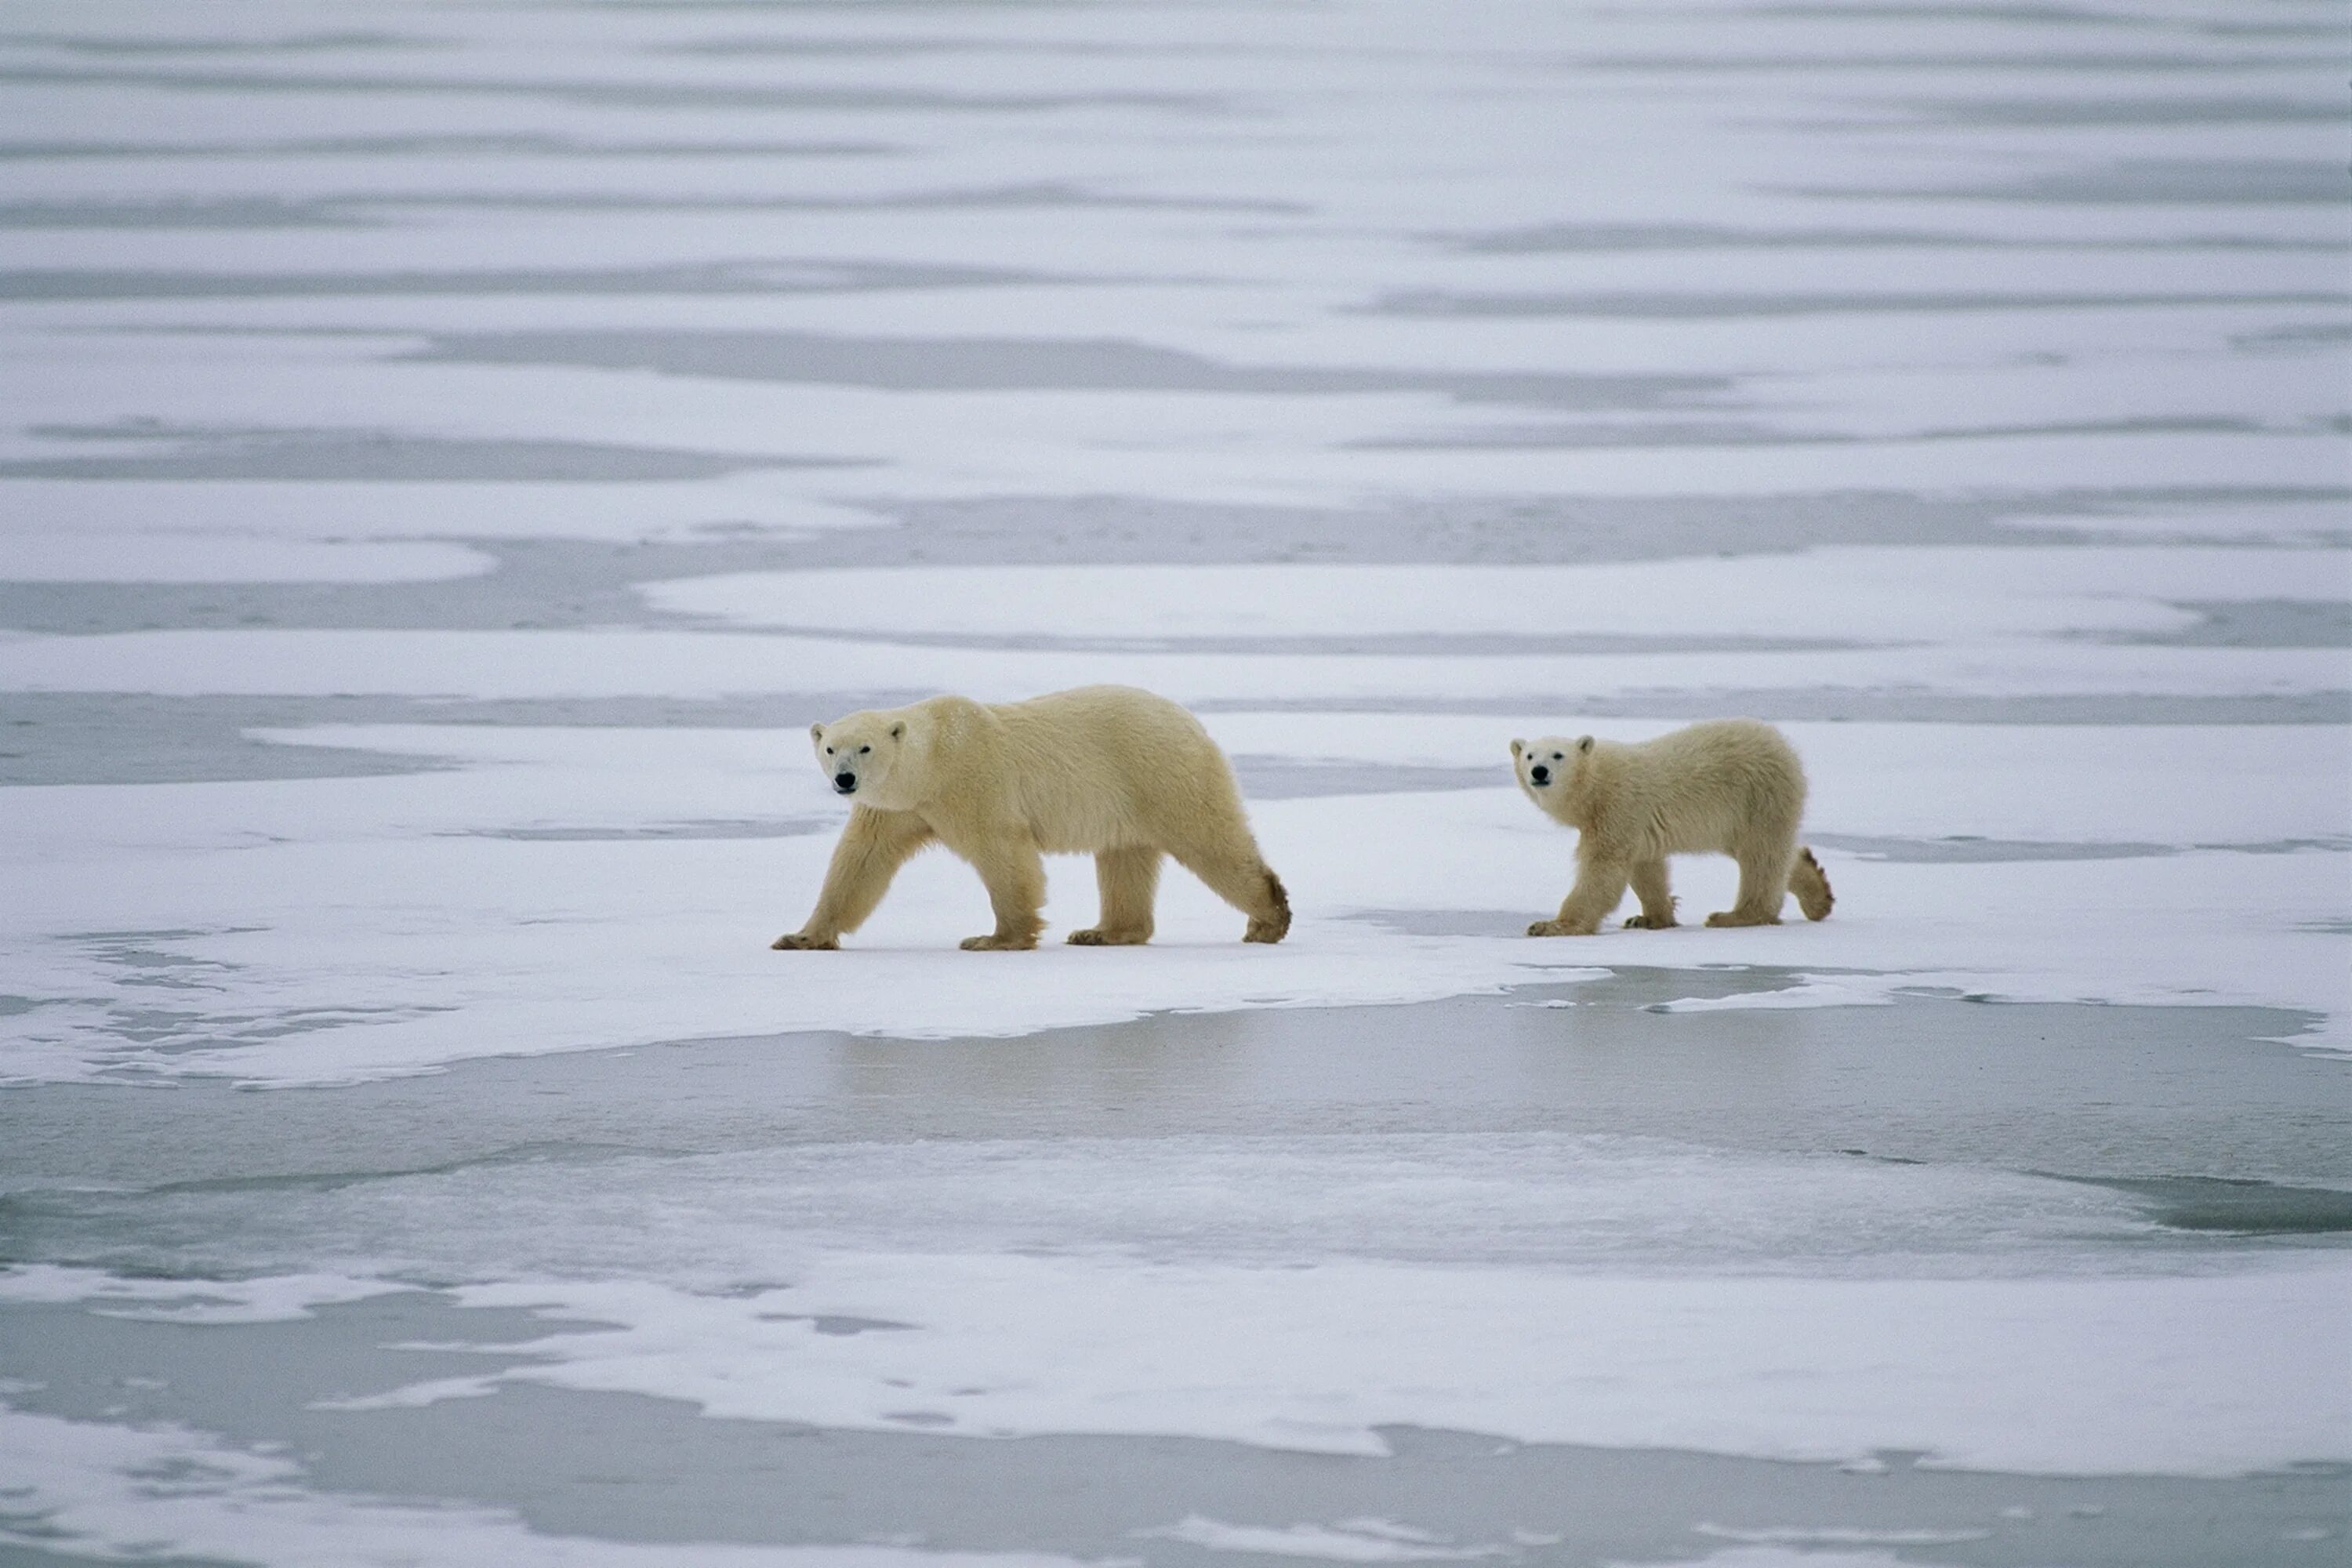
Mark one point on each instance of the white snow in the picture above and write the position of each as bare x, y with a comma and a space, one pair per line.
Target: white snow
1855, 596
2042, 1375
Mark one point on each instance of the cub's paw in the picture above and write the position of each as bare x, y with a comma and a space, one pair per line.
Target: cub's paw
1643, 922
801, 942
1102, 936
992, 944
1733, 917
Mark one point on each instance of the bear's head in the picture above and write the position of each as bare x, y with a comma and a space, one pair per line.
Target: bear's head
1547, 767
859, 754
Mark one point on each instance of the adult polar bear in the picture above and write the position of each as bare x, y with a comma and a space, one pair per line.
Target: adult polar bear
1732, 786
1103, 770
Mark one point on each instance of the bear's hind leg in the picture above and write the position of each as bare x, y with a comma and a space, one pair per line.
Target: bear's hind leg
1130, 879
1016, 875
1811, 886
1657, 898
1763, 884
1236, 873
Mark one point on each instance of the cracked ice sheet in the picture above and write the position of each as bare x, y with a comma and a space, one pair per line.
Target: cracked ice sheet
2048, 1375
339, 930
115, 1493
1881, 595
544, 664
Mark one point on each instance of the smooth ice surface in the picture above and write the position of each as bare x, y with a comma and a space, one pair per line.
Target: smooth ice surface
448, 455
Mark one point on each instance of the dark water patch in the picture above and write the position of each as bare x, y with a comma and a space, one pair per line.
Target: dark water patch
1830, 704
1707, 307
2092, 1090
714, 827
2299, 337
262, 85
129, 45
2238, 1207
2101, 65
190, 213
1576, 437
129, 738
1004, 364
780, 276
1544, 240
1010, 196
2168, 111
637, 1469
189, 453
2254, 623
2149, 182
447, 144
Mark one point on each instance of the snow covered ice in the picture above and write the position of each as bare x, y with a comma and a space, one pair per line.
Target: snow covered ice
448, 454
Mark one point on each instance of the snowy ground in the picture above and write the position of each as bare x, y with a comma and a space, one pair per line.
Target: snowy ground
450, 452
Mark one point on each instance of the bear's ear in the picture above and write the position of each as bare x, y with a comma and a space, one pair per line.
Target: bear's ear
898, 730
1517, 746
1585, 744
816, 732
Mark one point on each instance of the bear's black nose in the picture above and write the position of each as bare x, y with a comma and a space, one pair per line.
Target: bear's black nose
1540, 774
845, 782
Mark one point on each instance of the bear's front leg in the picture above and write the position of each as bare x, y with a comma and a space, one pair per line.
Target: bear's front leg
872, 849
1016, 875
1599, 884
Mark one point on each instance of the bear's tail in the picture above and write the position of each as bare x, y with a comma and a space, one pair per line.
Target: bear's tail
1274, 923
1811, 886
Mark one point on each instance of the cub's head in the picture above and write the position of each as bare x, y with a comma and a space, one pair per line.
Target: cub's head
1547, 768
860, 753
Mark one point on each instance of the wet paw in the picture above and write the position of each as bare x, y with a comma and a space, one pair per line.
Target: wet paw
1643, 922
998, 943
801, 942
1100, 936
1732, 918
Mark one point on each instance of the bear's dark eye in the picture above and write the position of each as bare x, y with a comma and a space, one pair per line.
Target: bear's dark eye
828, 751
863, 749
1556, 757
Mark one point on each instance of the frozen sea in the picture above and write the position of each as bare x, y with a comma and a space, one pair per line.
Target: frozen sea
449, 453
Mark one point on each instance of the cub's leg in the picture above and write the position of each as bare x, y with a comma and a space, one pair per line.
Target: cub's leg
1763, 883
1599, 884
1811, 886
1657, 899
1130, 879
1233, 871
1016, 875
872, 849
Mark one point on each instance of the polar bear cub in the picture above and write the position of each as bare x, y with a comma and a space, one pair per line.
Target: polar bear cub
1732, 786
1108, 771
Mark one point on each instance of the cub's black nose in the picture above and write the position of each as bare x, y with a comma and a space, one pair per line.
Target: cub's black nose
1540, 774
845, 782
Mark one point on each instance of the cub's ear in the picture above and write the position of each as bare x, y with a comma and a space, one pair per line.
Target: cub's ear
1585, 744
1517, 746
898, 730
816, 732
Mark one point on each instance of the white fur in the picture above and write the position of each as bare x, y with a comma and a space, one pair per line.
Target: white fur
1108, 771
1732, 786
